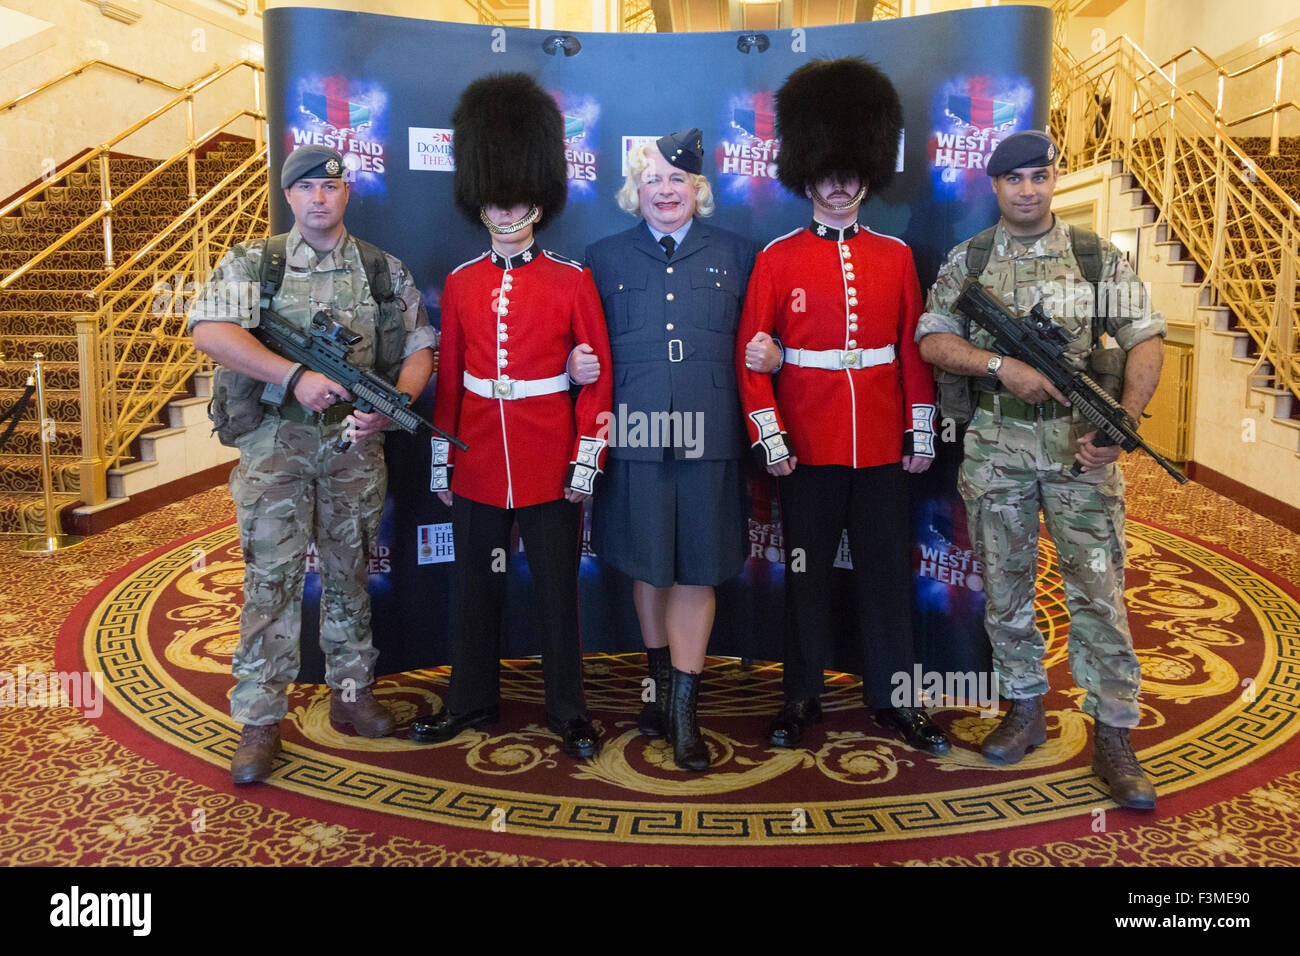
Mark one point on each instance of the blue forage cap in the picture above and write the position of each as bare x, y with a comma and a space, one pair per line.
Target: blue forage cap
311, 162
685, 150
1026, 148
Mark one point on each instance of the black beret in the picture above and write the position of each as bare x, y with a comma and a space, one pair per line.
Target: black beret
1026, 148
311, 162
685, 150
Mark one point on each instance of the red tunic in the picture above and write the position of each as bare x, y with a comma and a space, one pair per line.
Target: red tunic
519, 319
856, 291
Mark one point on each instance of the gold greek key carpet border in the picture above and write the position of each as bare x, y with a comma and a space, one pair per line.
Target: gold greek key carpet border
114, 644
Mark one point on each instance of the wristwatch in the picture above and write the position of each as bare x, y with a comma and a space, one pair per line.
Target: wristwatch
994, 365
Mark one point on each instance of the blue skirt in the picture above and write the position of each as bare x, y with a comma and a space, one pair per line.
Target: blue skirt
672, 521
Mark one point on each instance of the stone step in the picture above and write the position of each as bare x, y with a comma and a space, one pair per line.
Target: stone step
64, 279
61, 404
61, 375
1240, 342
26, 440
25, 513
21, 474
46, 300
76, 259
63, 350
188, 412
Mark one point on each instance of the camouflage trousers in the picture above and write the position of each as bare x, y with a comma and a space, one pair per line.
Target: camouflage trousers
1012, 470
291, 485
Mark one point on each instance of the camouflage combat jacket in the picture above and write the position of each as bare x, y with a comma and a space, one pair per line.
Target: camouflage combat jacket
1046, 271
336, 283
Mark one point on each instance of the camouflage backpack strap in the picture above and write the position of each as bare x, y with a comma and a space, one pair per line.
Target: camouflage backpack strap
1087, 253
978, 251
390, 329
377, 275
272, 275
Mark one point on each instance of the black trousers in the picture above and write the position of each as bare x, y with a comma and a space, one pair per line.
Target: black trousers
551, 534
817, 503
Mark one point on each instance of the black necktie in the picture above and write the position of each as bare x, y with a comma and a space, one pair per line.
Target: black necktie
669, 244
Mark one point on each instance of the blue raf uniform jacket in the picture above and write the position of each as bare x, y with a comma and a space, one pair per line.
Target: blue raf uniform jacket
672, 330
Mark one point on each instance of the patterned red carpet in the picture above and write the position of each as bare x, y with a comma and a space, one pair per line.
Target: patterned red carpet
1214, 609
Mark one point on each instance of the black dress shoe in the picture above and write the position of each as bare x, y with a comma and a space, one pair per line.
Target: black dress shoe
578, 738
916, 727
786, 729
444, 724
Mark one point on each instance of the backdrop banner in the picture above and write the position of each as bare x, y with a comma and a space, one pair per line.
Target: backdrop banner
381, 90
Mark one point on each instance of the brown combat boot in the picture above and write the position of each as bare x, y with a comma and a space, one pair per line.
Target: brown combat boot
368, 717
255, 757
1114, 761
1024, 726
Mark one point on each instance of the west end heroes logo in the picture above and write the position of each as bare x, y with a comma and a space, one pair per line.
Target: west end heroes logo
581, 119
747, 148
971, 115
345, 115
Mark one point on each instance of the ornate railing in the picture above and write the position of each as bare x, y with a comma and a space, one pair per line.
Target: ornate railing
133, 355
134, 347
99, 161
1237, 223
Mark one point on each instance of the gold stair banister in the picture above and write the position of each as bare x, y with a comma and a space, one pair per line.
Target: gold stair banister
109, 202
1235, 221
133, 326
102, 64
100, 152
118, 403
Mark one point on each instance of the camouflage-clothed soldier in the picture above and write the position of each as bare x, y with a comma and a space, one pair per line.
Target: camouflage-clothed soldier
1019, 450
291, 485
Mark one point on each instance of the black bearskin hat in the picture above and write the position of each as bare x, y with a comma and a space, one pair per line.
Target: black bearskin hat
508, 146
837, 116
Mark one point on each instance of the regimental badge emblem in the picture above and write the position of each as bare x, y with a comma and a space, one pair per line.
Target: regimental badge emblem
1051, 152
332, 167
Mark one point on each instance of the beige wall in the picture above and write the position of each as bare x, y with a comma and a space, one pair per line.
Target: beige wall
1085, 35
176, 41
453, 11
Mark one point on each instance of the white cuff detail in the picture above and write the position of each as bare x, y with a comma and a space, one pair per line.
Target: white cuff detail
439, 470
583, 472
770, 437
923, 430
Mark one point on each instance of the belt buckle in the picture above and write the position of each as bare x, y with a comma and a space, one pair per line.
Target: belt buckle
680, 355
852, 358
503, 387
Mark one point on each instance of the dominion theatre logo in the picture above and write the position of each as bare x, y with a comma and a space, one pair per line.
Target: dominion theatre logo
971, 116
344, 115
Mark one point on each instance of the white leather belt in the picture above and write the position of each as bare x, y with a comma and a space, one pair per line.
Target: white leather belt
836, 359
507, 388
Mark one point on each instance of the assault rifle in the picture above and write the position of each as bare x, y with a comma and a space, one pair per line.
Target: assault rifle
324, 347
1040, 343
